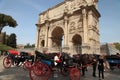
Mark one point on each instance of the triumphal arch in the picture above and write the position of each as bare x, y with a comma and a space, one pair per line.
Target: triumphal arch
71, 26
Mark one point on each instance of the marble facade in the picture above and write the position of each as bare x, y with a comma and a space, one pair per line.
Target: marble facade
72, 26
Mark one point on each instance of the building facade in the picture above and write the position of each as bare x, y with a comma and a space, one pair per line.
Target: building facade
108, 49
71, 26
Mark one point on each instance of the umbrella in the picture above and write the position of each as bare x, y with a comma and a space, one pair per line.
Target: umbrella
14, 52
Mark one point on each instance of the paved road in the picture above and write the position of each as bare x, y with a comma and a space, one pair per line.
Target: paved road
18, 73
13, 73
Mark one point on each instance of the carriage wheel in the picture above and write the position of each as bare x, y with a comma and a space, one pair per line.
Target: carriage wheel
39, 71
7, 62
27, 65
74, 74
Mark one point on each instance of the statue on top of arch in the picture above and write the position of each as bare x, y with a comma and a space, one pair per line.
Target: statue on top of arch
72, 4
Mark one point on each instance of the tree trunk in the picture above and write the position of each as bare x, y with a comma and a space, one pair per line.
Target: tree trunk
1, 29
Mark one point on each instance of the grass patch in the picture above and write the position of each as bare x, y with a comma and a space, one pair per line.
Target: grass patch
5, 47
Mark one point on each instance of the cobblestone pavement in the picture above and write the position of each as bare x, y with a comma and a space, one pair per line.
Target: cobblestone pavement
18, 73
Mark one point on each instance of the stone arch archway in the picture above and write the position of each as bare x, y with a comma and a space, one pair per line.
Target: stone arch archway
56, 36
77, 40
77, 25
77, 43
42, 43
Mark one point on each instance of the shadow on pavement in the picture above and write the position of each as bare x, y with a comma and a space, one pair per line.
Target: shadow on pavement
14, 73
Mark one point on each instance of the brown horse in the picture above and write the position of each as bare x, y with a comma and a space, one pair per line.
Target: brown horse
84, 60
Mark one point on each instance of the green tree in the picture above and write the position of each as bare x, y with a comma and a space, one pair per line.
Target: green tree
28, 45
12, 40
33, 45
6, 20
117, 45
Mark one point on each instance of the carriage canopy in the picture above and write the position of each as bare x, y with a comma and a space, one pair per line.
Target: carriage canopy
14, 52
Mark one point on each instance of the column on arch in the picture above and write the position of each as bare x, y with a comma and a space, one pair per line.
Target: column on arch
85, 43
49, 38
66, 31
85, 28
91, 31
37, 37
46, 34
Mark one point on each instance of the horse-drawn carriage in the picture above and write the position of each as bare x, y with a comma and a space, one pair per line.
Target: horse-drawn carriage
41, 67
16, 58
67, 65
44, 65
114, 61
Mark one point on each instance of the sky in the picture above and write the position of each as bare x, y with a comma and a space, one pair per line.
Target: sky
26, 13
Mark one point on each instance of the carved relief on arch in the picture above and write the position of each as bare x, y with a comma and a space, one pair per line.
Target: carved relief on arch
59, 23
77, 3
79, 25
42, 32
72, 27
52, 26
95, 22
75, 16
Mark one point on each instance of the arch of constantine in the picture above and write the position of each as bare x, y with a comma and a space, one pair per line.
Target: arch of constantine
71, 26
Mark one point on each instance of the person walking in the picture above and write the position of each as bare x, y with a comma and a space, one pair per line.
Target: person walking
94, 59
101, 66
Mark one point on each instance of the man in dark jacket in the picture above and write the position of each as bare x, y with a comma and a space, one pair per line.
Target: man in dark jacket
101, 67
